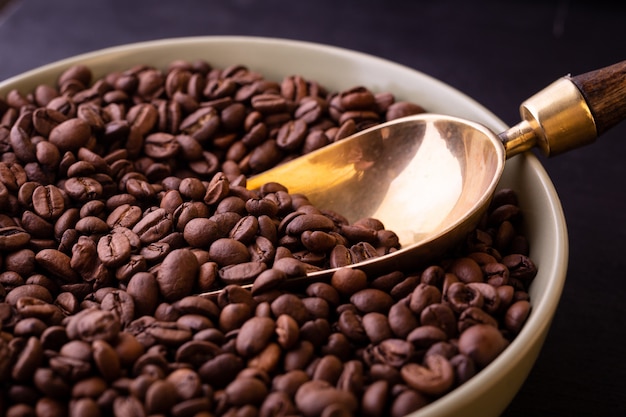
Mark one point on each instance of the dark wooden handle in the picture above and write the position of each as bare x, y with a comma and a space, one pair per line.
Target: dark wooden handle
605, 92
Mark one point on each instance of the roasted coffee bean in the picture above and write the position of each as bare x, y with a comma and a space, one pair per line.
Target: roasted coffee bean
516, 315
226, 251
241, 273
13, 238
460, 296
21, 261
48, 202
177, 274
402, 109
350, 324
58, 264
474, 315
520, 267
114, 249
435, 377
422, 296
423, 337
466, 270
188, 211
122, 197
401, 319
70, 135
254, 335
314, 396
245, 229
374, 400
94, 324
153, 226
28, 290
482, 343
349, 281
318, 241
201, 232
371, 300
440, 315
376, 326
291, 305
340, 257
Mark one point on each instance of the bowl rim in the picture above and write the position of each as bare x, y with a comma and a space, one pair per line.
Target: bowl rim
536, 326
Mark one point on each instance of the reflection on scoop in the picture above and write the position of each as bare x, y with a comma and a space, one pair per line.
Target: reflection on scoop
427, 189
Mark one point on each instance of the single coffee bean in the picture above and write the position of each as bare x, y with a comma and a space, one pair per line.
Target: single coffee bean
291, 305
93, 324
153, 226
114, 249
201, 232
482, 343
70, 135
228, 251
13, 238
375, 398
371, 300
401, 319
349, 281
516, 315
58, 264
254, 335
440, 315
466, 270
177, 274
314, 396
377, 327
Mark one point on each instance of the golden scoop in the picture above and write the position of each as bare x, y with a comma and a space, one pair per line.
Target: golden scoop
430, 177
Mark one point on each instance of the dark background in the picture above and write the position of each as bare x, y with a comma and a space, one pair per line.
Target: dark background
499, 53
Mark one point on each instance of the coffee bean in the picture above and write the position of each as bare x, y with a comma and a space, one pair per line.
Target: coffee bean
58, 264
30, 358
221, 370
123, 197
371, 300
349, 281
28, 290
375, 399
466, 270
254, 335
114, 249
314, 396
228, 251
70, 135
423, 337
177, 274
201, 232
153, 226
241, 273
516, 315
93, 324
376, 327
246, 391
482, 343
13, 238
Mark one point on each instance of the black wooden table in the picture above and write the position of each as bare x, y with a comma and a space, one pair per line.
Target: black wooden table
498, 52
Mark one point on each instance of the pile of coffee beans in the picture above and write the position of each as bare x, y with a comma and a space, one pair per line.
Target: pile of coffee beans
123, 199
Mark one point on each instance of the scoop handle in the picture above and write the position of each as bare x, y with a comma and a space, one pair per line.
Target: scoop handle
604, 91
569, 113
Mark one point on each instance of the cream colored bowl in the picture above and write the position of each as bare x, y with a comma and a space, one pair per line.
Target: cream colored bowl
489, 392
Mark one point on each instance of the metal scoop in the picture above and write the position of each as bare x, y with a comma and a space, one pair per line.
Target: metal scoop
429, 177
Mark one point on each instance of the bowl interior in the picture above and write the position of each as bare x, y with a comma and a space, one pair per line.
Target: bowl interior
489, 392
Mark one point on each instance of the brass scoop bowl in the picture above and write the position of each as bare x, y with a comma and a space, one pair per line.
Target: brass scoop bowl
429, 177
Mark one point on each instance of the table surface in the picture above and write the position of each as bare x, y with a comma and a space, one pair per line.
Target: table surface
499, 53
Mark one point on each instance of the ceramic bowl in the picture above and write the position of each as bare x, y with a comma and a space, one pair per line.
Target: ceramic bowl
492, 389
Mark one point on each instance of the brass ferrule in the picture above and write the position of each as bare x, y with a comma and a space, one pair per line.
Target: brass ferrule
556, 119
